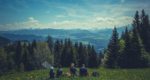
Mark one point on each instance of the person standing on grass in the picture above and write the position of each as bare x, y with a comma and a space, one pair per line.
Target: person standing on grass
83, 71
52, 73
59, 72
73, 70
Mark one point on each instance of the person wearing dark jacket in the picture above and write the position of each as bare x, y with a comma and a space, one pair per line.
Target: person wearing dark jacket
59, 72
52, 73
83, 71
73, 70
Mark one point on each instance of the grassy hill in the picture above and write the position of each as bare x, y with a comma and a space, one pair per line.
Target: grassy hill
105, 74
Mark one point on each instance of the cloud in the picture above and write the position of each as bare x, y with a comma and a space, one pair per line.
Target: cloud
60, 16
32, 20
122, 1
30, 23
87, 15
92, 23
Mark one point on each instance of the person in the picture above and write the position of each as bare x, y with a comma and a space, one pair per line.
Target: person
73, 70
83, 71
95, 74
51, 73
59, 72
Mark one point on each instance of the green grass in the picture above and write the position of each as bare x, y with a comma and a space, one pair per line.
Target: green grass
105, 74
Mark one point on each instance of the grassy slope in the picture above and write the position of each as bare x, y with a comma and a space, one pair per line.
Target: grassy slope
106, 74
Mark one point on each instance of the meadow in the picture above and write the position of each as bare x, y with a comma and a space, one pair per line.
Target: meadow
105, 74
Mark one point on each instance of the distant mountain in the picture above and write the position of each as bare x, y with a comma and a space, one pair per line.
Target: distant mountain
14, 37
98, 38
3, 41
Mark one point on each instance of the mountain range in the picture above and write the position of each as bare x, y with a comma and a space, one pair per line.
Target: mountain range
99, 37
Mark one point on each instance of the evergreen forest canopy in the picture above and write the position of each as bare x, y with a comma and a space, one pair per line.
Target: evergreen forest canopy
131, 50
27, 56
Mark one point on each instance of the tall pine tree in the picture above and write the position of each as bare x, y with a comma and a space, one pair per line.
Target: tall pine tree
110, 58
145, 31
57, 53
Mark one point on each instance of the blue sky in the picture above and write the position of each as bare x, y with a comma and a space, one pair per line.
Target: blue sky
68, 14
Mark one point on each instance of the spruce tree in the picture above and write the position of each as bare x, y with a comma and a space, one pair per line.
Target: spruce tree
145, 30
3, 61
57, 52
80, 54
50, 43
93, 58
124, 56
27, 58
33, 59
18, 55
134, 54
73, 55
110, 59
67, 56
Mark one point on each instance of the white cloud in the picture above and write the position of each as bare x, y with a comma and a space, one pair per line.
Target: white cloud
30, 23
93, 16
92, 23
122, 1
60, 16
32, 20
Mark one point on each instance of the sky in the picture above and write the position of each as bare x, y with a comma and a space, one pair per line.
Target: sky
68, 14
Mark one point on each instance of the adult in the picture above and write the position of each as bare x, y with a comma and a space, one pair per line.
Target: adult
73, 70
83, 71
59, 72
52, 73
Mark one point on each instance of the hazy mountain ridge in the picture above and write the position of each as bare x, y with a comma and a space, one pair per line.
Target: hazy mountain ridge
3, 41
98, 38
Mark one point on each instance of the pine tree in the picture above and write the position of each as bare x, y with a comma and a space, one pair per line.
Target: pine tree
73, 55
93, 58
136, 50
3, 61
34, 44
18, 55
57, 52
84, 55
145, 30
76, 47
110, 59
124, 56
136, 21
67, 56
27, 58
10, 51
50, 43
123, 35
140, 36
33, 59
81, 54
133, 55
